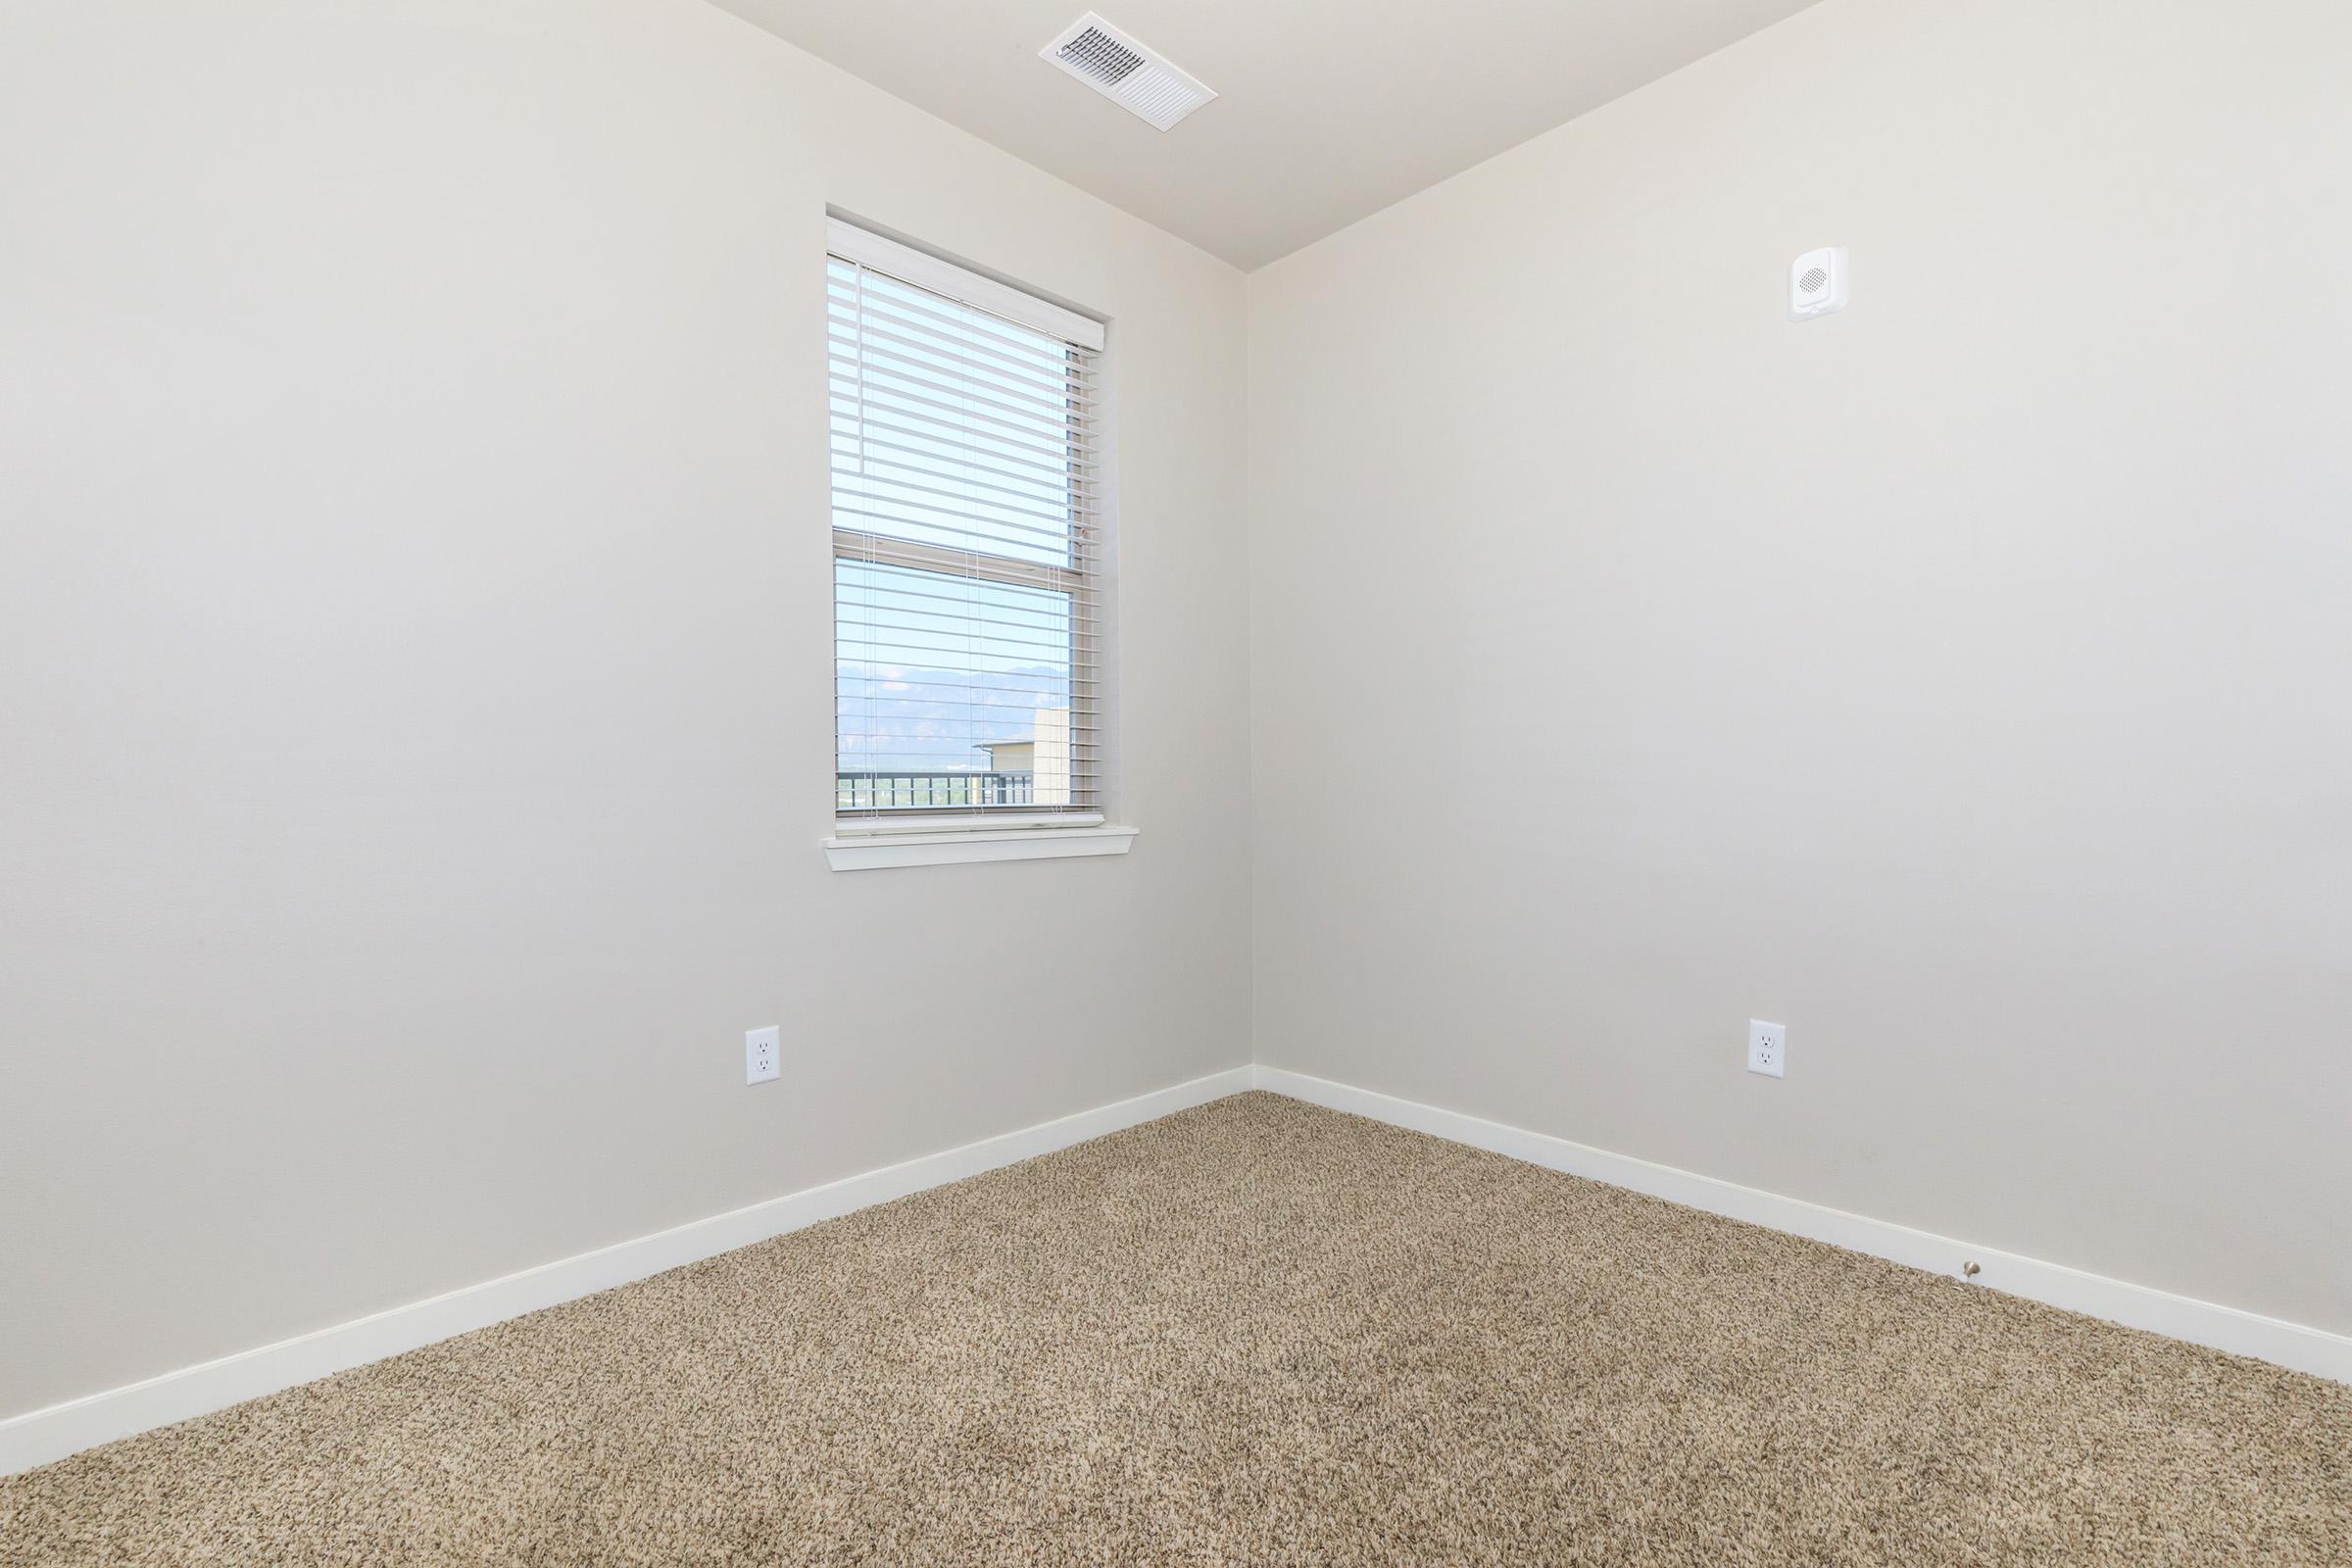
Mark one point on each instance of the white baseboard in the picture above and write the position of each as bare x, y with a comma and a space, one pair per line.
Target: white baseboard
2224, 1328
40, 1436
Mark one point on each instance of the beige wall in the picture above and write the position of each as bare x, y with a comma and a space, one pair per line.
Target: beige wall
414, 652
414, 638
1960, 680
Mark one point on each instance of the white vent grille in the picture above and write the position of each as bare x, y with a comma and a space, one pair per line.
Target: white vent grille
1125, 71
1098, 57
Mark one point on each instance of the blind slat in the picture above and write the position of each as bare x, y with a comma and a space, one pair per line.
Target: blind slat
878, 364
935, 466
990, 519
1037, 471
847, 331
849, 382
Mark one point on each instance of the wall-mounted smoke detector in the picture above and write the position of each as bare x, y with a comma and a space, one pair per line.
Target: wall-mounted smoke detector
1125, 71
1817, 283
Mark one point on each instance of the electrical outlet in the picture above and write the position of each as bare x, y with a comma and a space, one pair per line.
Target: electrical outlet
1767, 1047
761, 1049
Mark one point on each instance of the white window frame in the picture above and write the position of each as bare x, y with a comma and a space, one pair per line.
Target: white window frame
859, 844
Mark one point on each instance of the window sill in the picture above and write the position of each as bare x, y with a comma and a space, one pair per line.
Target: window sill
877, 851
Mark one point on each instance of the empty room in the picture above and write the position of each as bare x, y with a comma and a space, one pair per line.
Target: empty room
892, 782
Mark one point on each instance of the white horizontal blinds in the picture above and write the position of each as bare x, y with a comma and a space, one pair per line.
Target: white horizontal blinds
965, 543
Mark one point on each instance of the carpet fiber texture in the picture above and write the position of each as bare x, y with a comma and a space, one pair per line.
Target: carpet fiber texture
1255, 1332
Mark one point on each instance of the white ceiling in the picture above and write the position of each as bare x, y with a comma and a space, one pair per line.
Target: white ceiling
1327, 109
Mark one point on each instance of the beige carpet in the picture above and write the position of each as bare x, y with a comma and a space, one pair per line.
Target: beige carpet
1258, 1333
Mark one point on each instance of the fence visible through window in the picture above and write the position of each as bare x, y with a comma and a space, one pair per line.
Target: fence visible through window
867, 790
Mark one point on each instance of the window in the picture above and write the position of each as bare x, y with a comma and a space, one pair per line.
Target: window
967, 545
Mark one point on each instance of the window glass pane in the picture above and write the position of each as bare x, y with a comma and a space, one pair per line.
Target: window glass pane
949, 691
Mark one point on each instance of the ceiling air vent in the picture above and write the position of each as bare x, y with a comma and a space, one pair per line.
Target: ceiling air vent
1125, 71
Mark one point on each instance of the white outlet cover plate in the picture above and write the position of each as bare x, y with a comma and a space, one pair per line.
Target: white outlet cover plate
1768, 1048
762, 1054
